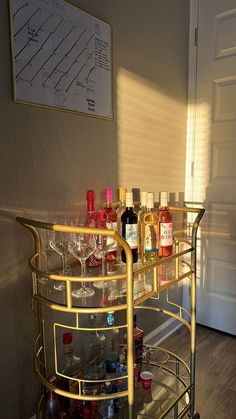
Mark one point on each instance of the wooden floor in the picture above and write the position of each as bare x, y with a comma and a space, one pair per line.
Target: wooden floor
215, 370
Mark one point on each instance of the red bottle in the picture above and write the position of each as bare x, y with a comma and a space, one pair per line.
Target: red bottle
94, 260
109, 217
165, 227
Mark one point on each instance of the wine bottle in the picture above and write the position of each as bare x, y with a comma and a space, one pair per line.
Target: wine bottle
119, 212
165, 227
108, 214
149, 230
141, 211
121, 208
130, 228
94, 260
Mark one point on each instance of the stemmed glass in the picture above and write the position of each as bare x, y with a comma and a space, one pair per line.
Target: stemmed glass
60, 244
47, 252
81, 246
103, 246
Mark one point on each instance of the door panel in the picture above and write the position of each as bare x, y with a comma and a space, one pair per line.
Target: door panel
215, 163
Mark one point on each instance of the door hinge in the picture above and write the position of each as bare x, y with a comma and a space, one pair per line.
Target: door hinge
192, 168
196, 37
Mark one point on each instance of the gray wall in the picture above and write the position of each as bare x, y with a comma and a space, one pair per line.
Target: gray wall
49, 158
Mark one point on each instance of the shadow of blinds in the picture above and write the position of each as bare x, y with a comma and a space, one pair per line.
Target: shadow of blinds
151, 135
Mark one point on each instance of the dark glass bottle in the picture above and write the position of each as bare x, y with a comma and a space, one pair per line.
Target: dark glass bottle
129, 222
51, 408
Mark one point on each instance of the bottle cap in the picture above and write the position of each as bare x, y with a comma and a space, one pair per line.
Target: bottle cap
129, 199
110, 318
90, 200
122, 192
143, 199
108, 194
150, 200
163, 199
67, 338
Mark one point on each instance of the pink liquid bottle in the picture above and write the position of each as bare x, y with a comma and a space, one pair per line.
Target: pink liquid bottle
94, 260
109, 217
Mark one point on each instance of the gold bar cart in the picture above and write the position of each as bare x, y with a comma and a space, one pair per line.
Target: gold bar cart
136, 284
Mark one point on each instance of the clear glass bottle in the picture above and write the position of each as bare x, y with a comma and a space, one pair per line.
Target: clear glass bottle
71, 367
119, 212
142, 209
95, 352
121, 208
130, 228
149, 230
165, 227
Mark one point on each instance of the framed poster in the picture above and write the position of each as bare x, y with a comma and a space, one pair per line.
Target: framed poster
61, 57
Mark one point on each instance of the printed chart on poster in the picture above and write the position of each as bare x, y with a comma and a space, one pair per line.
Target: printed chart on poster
61, 57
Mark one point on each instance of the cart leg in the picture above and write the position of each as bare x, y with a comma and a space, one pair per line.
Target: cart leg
196, 415
176, 408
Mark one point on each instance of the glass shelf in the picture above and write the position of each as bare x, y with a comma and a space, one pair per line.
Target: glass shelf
148, 279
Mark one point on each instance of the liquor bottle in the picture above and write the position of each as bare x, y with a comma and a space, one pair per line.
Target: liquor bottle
130, 228
51, 407
165, 227
110, 404
109, 216
71, 367
95, 353
149, 230
112, 346
138, 345
94, 260
119, 212
121, 208
140, 214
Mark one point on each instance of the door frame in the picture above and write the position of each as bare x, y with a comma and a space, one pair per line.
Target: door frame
191, 117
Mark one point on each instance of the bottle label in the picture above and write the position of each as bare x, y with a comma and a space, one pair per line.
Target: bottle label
111, 243
131, 235
166, 234
150, 238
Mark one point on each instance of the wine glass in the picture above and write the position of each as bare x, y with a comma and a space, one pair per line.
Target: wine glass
47, 252
81, 246
103, 247
59, 243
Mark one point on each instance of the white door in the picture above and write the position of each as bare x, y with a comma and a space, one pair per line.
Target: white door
214, 162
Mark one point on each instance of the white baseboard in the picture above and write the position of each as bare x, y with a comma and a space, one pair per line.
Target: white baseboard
162, 332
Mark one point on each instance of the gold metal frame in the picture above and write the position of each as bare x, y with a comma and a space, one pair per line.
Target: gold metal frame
128, 275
